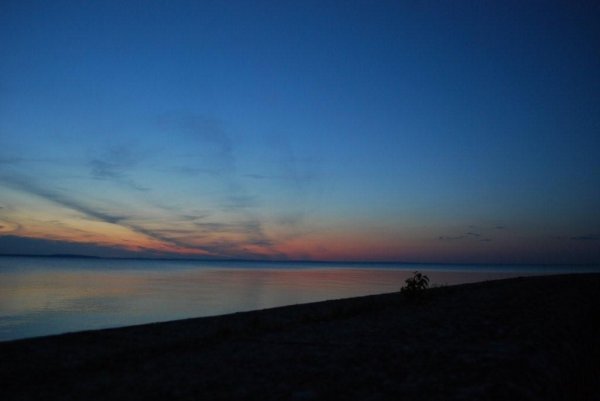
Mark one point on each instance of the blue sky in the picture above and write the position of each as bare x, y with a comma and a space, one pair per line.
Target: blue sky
418, 131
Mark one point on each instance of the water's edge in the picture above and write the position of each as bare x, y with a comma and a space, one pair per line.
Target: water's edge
43, 296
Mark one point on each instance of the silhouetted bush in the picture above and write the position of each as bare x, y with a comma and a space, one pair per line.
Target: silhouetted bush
415, 285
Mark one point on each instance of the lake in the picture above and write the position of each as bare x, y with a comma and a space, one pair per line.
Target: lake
41, 296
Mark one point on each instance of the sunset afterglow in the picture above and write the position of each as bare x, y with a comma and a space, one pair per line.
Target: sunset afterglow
235, 130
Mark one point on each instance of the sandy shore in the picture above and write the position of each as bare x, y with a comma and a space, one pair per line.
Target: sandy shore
525, 338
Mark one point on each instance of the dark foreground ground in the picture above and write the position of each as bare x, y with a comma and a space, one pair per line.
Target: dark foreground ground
527, 338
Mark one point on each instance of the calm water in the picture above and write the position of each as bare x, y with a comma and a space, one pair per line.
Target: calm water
41, 296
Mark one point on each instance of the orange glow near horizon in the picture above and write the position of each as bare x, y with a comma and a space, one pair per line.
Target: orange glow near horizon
227, 237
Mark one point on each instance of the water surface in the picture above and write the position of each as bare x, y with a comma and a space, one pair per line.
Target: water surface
41, 296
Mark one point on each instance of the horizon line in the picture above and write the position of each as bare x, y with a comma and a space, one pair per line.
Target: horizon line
184, 259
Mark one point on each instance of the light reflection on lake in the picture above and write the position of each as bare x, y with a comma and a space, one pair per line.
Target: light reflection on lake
41, 296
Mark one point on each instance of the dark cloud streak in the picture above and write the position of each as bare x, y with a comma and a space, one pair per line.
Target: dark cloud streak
28, 186
588, 237
114, 166
252, 230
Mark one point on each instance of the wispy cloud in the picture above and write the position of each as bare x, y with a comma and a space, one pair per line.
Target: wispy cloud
114, 164
226, 248
248, 233
211, 152
199, 216
291, 219
28, 185
101, 169
8, 225
253, 230
226, 240
588, 237
451, 238
211, 147
237, 202
468, 236
196, 171
206, 148
288, 168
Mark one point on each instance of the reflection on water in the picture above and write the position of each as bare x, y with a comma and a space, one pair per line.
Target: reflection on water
40, 296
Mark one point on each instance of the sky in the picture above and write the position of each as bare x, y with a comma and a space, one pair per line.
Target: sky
417, 131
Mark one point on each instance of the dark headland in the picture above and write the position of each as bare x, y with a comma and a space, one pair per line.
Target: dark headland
526, 338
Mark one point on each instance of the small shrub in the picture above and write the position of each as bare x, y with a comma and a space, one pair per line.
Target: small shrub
415, 285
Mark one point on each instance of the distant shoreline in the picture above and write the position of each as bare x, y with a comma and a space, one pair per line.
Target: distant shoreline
271, 261
533, 337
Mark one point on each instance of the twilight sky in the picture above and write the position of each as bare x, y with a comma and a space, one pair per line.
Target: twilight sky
426, 131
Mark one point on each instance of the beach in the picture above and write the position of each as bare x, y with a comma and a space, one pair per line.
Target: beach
521, 338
